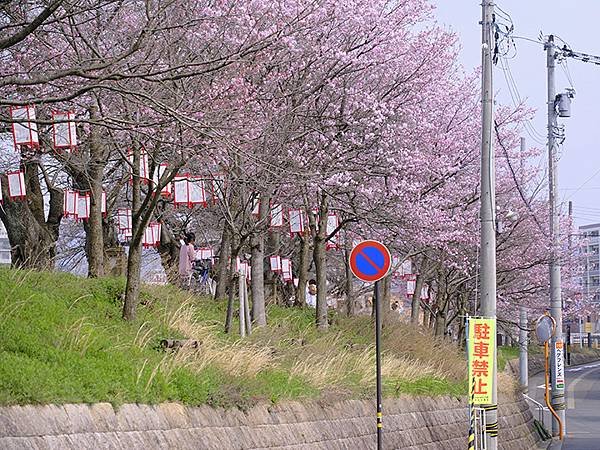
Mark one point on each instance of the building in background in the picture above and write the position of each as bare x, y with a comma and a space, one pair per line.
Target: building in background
4, 246
591, 253
591, 274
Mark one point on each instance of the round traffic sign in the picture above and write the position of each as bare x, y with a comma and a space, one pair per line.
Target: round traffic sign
370, 261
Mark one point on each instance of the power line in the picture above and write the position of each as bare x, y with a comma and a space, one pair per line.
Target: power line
583, 184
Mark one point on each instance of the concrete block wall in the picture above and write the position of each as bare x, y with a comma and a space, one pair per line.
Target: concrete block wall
409, 423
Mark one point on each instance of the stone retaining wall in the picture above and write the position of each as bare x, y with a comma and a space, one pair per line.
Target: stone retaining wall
409, 423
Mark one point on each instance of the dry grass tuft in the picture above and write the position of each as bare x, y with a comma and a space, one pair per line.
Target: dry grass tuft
238, 358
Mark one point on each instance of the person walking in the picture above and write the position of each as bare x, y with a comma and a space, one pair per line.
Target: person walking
187, 255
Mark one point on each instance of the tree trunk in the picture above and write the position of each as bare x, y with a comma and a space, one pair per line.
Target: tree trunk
304, 264
320, 259
232, 283
168, 249
440, 323
115, 258
132, 289
223, 263
416, 300
257, 284
32, 237
349, 278
257, 265
274, 247
386, 294
134, 260
95, 174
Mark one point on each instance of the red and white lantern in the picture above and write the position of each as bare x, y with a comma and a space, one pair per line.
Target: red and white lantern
406, 267
144, 172
16, 185
158, 174
70, 203
255, 211
103, 203
332, 223
204, 253
83, 206
196, 192
296, 221
180, 190
148, 238
124, 219
64, 130
286, 269
24, 128
276, 215
275, 263
410, 287
156, 229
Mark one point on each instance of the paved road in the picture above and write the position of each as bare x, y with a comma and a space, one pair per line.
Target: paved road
583, 406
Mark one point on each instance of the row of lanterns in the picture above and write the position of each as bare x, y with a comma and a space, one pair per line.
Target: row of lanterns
25, 132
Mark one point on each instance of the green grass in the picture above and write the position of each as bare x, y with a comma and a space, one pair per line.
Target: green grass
506, 353
63, 340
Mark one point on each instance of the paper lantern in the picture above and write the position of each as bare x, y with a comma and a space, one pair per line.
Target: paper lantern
83, 206
244, 268
276, 215
166, 191
103, 203
1, 198
148, 238
144, 172
64, 130
204, 253
286, 269
180, 190
410, 287
424, 293
332, 223
16, 185
406, 267
24, 129
70, 203
124, 219
156, 229
196, 193
275, 262
255, 210
296, 221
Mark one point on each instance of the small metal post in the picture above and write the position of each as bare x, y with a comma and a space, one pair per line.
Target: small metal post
523, 367
377, 299
242, 312
589, 335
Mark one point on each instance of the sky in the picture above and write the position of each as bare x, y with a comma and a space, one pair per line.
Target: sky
576, 22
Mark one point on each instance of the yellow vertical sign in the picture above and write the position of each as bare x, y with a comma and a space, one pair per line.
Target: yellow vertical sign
481, 347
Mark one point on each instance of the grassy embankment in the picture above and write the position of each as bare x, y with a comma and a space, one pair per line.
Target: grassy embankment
63, 340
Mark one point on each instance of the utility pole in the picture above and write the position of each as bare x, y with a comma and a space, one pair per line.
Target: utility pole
558, 389
488, 209
523, 367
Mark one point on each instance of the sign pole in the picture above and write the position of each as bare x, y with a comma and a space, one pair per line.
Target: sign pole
370, 261
378, 363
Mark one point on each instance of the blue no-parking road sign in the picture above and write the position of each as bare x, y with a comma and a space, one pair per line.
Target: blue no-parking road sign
370, 261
